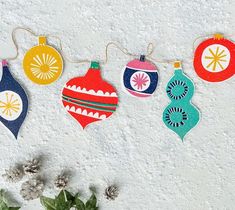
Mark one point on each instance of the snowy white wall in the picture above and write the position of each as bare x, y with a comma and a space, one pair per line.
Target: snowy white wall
133, 148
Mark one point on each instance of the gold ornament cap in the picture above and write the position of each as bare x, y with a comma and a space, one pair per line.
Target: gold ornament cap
218, 36
177, 65
42, 40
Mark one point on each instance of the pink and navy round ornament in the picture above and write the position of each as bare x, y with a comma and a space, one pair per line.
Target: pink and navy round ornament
140, 77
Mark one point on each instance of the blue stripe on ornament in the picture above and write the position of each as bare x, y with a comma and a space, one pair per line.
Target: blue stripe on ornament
127, 80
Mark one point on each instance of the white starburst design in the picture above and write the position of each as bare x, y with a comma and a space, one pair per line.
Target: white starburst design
44, 67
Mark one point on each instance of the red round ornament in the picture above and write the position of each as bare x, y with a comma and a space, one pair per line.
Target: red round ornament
214, 59
89, 98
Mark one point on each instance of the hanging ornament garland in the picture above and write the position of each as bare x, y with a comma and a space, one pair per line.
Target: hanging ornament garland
89, 98
42, 64
180, 115
13, 101
214, 59
140, 77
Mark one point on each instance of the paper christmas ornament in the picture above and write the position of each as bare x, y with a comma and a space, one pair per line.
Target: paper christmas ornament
43, 64
180, 115
140, 77
89, 98
13, 101
214, 59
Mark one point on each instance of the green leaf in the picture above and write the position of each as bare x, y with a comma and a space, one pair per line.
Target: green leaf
64, 206
48, 203
91, 203
65, 196
2, 200
79, 204
1, 194
3, 203
64, 201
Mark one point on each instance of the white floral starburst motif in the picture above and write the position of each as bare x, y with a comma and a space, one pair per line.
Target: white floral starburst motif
10, 105
44, 67
215, 58
140, 81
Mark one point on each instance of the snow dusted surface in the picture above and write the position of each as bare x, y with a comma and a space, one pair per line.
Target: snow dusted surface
133, 148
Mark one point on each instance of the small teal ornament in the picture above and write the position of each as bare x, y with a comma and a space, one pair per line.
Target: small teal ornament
180, 115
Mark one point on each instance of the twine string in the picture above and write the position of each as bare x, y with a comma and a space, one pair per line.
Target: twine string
13, 37
119, 47
149, 51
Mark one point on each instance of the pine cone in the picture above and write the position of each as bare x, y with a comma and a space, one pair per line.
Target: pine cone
13, 175
32, 189
61, 181
111, 192
31, 167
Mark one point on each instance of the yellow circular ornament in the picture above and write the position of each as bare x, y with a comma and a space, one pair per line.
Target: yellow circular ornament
43, 64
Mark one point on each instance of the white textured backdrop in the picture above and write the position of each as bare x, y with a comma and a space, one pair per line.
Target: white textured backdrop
133, 148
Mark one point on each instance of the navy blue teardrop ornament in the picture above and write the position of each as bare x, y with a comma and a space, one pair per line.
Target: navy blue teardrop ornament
13, 101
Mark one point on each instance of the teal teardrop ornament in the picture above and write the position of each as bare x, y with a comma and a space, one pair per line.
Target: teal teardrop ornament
180, 115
